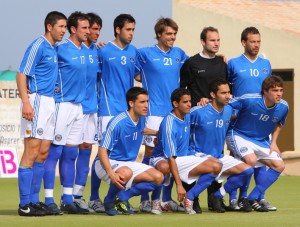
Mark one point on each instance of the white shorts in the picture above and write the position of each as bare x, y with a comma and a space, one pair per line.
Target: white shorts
42, 125
241, 147
184, 164
228, 162
102, 124
69, 122
90, 131
152, 122
136, 168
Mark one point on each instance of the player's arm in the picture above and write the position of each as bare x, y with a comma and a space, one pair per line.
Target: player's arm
138, 78
27, 111
115, 178
275, 135
181, 193
185, 75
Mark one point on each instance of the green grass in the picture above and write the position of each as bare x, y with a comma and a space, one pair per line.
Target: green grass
284, 194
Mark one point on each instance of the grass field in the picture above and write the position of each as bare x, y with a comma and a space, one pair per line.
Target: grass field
284, 194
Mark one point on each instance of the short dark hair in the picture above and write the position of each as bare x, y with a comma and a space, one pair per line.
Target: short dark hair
94, 18
248, 30
271, 82
52, 18
203, 34
74, 18
178, 93
120, 20
161, 23
133, 93
214, 85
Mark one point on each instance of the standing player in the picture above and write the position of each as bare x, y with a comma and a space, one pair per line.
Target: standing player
90, 118
119, 67
248, 138
160, 65
209, 125
196, 75
246, 74
118, 151
172, 152
72, 66
38, 74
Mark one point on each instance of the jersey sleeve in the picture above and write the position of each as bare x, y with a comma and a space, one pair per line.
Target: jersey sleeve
167, 138
32, 57
110, 136
229, 71
185, 75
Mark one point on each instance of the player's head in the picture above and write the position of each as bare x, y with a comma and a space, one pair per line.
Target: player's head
74, 20
124, 26
161, 25
272, 89
52, 19
250, 39
137, 100
95, 27
219, 92
55, 25
210, 40
181, 101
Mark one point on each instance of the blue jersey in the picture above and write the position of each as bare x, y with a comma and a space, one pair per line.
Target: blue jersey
72, 70
255, 121
40, 65
160, 76
118, 69
123, 137
208, 129
246, 76
173, 137
89, 104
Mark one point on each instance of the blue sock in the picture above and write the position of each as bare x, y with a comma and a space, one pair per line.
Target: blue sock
234, 182
156, 193
137, 189
49, 170
82, 171
95, 184
203, 182
270, 176
144, 196
167, 191
258, 172
24, 181
232, 195
245, 186
112, 193
67, 171
38, 173
146, 160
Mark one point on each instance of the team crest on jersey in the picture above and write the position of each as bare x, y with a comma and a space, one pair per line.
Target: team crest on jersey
40, 131
58, 137
275, 119
265, 71
243, 149
132, 59
177, 60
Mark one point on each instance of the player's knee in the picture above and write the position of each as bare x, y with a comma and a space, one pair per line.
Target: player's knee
163, 167
158, 177
216, 168
280, 166
125, 172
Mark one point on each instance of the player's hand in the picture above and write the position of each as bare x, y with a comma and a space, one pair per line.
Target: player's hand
223, 56
101, 44
117, 180
203, 102
27, 111
274, 148
181, 193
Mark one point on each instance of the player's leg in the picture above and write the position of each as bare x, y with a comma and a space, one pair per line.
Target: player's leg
239, 175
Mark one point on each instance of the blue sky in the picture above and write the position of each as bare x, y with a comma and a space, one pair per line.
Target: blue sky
22, 21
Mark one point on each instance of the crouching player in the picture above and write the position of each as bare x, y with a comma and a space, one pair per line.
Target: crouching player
118, 151
248, 136
209, 125
172, 154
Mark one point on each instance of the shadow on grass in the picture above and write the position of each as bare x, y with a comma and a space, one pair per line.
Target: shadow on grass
9, 212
